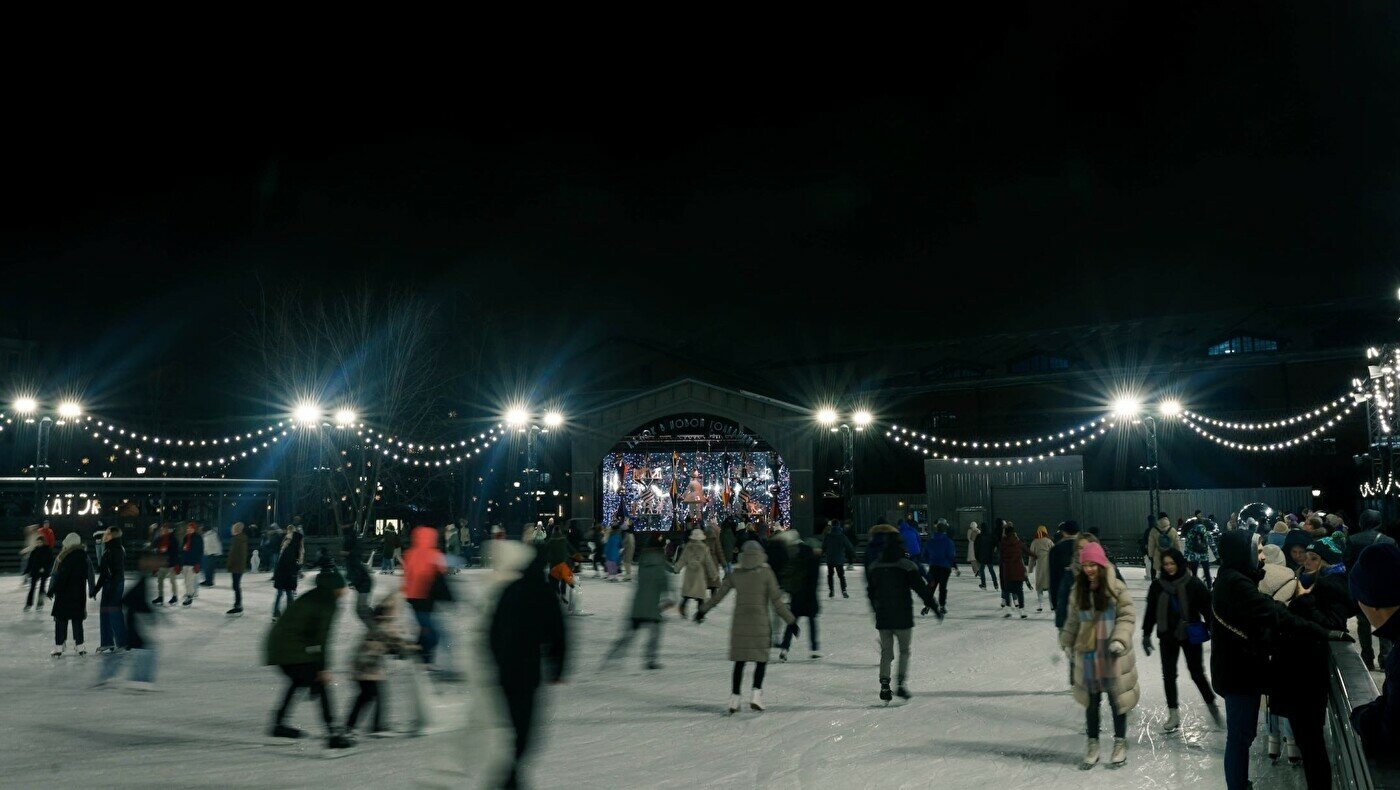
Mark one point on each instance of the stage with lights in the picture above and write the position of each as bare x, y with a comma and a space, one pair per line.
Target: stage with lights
690, 469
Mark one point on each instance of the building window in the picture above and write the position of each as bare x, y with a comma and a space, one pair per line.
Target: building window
1243, 344
1039, 363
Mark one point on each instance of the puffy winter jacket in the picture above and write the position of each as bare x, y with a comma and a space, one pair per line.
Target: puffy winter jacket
192, 551
939, 551
880, 534
302, 634
836, 547
888, 584
910, 535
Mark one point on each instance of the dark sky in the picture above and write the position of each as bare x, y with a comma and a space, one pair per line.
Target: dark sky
1044, 168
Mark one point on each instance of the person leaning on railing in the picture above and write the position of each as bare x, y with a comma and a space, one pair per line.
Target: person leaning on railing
1375, 584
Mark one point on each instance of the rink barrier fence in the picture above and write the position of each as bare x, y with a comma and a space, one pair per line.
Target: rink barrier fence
1351, 685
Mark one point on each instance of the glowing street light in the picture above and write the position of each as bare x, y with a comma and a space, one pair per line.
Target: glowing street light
1170, 407
25, 405
862, 418
553, 419
70, 409
826, 416
345, 417
517, 416
307, 413
1126, 406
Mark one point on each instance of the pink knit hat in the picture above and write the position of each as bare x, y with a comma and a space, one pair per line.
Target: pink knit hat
1093, 552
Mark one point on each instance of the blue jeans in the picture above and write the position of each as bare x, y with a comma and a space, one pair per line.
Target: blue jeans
112, 626
427, 634
209, 565
982, 570
277, 601
386, 563
1241, 725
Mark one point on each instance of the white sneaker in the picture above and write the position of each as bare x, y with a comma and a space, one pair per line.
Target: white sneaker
733, 704
1091, 755
757, 701
1173, 721
1120, 752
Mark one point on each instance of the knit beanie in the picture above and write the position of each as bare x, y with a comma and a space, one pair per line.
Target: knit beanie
1296, 537
1327, 550
1093, 552
71, 539
1375, 579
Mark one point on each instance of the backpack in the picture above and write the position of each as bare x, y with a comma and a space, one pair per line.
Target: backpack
1164, 541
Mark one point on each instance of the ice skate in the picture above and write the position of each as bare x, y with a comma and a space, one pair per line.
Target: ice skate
902, 692
1006, 616
756, 702
188, 601
1295, 757
782, 656
831, 593
815, 654
1274, 749
885, 694
82, 651
283, 731
1091, 755
174, 599
158, 602
845, 594
140, 686
1120, 753
338, 743
57, 653
27, 607
733, 704
235, 611
1173, 721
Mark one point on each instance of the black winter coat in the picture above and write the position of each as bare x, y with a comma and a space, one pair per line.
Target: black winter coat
70, 586
799, 579
1061, 555
1197, 601
527, 629
887, 585
288, 569
835, 546
985, 550
1249, 623
111, 572
40, 560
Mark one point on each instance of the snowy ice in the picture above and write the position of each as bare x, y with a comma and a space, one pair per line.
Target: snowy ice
991, 708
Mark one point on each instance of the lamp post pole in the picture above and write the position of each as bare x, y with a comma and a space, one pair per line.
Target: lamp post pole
41, 465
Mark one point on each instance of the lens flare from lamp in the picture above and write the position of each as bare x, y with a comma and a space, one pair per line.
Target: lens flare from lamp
826, 416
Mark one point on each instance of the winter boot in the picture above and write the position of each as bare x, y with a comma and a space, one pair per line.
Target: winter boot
1120, 753
1274, 748
756, 702
845, 594
733, 704
885, 693
902, 692
174, 599
1091, 755
1173, 721
235, 610
782, 656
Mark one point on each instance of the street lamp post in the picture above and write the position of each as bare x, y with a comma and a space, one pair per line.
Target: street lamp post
857, 422
522, 420
41, 464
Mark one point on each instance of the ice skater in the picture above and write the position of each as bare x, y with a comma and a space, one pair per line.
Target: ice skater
191, 557
1178, 610
941, 558
138, 613
287, 572
612, 552
652, 598
756, 590
38, 566
1011, 553
382, 637
1040, 565
298, 644
888, 583
837, 550
70, 588
699, 573
237, 565
111, 584
801, 574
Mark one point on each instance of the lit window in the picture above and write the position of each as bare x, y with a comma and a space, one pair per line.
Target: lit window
1243, 344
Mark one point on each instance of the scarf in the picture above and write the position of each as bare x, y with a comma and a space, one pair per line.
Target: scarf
1173, 589
1095, 632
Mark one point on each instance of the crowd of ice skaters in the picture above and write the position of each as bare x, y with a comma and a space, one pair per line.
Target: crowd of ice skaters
1284, 588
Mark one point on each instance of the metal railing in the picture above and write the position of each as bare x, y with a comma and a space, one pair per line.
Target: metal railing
1350, 685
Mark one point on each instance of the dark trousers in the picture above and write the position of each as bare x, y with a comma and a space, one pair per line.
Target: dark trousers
520, 704
1091, 717
938, 584
304, 676
369, 695
41, 579
622, 643
811, 632
737, 680
838, 570
1168, 647
237, 590
209, 565
982, 570
1018, 595
1241, 725
427, 634
1308, 723
60, 631
1204, 565
1367, 644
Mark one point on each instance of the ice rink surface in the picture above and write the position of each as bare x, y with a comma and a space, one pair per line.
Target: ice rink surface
991, 709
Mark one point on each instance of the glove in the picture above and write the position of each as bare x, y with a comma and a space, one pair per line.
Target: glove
793, 631
1117, 648
1339, 636
1147, 644
699, 615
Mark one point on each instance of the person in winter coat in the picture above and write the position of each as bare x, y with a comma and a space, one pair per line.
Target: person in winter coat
1012, 553
1375, 586
629, 549
382, 637
1098, 640
191, 556
237, 565
595, 539
698, 570
288, 570
1281, 584
880, 534
973, 532
71, 586
1177, 602
389, 551
1198, 543
38, 567
612, 553
1367, 533
715, 545
213, 549
141, 649
299, 644
653, 596
800, 576
167, 547
750, 637
986, 545
837, 550
557, 554
1246, 622
422, 565
888, 584
1040, 565
1062, 556
941, 557
1161, 537
728, 542
527, 630
1277, 534
111, 584
912, 545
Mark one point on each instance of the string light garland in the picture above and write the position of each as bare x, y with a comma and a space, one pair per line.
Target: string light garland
1100, 428
442, 447
1260, 447
1004, 444
1312, 414
389, 451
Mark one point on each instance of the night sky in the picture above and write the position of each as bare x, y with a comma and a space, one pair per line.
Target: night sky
1046, 169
